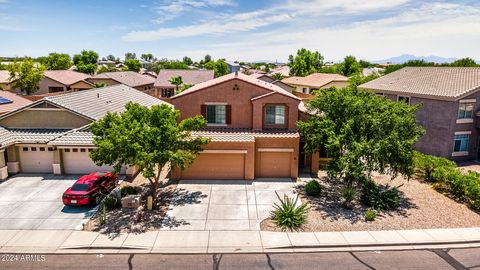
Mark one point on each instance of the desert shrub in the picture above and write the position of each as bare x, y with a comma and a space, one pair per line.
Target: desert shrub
348, 194
427, 165
127, 190
313, 188
287, 215
110, 202
103, 215
370, 215
378, 198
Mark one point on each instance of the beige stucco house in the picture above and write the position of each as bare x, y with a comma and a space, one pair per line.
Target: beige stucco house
132, 79
315, 81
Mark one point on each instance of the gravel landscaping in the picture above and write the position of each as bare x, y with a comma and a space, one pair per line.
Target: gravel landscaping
421, 208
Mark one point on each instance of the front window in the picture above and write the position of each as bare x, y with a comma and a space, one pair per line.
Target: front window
275, 115
465, 111
404, 99
460, 143
216, 114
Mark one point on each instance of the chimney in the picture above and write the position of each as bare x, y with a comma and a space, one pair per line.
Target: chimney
236, 73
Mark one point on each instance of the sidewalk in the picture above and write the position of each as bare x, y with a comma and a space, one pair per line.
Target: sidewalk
53, 241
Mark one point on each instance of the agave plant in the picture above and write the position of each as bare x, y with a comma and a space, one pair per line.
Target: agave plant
287, 215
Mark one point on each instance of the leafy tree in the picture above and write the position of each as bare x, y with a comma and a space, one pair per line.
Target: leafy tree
130, 55
165, 64
106, 68
187, 61
359, 79
365, 64
464, 62
86, 61
111, 58
219, 67
177, 81
56, 61
99, 85
150, 138
184, 87
26, 75
278, 76
305, 62
362, 133
133, 64
349, 66
207, 58
147, 57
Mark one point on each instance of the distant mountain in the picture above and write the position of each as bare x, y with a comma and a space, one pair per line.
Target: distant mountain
407, 57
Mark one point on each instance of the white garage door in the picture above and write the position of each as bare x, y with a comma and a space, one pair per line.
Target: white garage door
77, 161
38, 159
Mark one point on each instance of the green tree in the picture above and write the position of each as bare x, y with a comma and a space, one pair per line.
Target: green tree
187, 61
150, 138
111, 58
362, 133
464, 62
365, 64
183, 88
147, 57
106, 68
349, 66
26, 75
130, 55
177, 81
99, 85
56, 61
86, 61
305, 62
133, 64
207, 58
219, 67
278, 76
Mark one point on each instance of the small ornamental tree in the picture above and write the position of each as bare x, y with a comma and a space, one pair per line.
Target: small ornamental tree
149, 138
26, 75
362, 133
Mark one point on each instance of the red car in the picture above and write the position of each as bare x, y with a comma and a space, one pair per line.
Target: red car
88, 189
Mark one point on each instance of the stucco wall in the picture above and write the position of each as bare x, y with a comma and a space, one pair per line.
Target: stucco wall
279, 143
47, 82
43, 118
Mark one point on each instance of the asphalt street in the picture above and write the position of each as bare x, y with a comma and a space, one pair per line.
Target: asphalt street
438, 259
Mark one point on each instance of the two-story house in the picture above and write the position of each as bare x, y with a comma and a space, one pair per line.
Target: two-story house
252, 127
164, 89
450, 99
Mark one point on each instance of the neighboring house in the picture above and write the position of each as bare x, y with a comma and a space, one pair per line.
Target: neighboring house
284, 70
52, 135
10, 102
164, 89
450, 98
232, 66
62, 80
5, 81
316, 81
129, 78
372, 71
252, 127
268, 78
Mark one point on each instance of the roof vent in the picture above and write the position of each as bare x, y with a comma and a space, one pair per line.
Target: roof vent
236, 73
98, 95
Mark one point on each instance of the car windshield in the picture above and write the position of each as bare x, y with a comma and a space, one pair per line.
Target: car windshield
80, 187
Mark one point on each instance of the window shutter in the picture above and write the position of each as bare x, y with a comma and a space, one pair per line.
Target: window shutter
203, 109
228, 117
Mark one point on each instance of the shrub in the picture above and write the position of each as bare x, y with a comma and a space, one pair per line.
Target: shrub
427, 164
313, 188
373, 196
370, 215
348, 194
110, 202
103, 216
287, 215
127, 190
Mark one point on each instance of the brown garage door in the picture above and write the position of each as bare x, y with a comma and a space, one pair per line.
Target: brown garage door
216, 166
275, 164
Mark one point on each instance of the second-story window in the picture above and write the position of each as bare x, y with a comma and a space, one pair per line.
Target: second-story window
275, 115
404, 99
465, 111
216, 114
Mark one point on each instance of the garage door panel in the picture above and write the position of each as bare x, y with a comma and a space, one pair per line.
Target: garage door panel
216, 166
275, 164
81, 163
36, 160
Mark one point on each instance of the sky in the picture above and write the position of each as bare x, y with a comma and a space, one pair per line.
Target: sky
242, 30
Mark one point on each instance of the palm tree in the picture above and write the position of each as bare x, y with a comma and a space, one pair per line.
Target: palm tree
177, 81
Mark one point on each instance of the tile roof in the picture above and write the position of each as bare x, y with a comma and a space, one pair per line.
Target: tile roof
243, 134
4, 76
130, 78
66, 77
239, 76
284, 70
28, 135
188, 76
74, 137
17, 102
6, 137
315, 80
431, 82
95, 103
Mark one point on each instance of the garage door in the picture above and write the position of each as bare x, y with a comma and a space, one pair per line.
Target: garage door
77, 161
216, 166
275, 164
38, 159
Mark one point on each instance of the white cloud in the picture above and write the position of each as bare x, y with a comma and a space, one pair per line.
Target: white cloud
342, 6
172, 9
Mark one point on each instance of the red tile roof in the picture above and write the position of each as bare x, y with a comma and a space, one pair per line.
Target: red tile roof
188, 77
243, 134
66, 77
17, 102
129, 78
315, 80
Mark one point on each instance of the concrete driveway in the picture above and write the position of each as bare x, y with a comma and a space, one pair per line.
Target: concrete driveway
29, 201
224, 204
